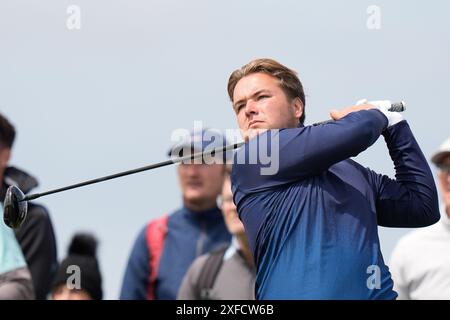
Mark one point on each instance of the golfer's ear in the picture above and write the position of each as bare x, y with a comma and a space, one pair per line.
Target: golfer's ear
297, 104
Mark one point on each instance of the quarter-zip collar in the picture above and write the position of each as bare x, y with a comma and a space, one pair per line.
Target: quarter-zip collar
208, 216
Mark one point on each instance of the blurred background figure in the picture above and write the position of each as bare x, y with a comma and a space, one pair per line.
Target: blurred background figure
166, 247
227, 273
78, 276
420, 264
15, 278
36, 236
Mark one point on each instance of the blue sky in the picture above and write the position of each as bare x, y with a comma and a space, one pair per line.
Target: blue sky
106, 97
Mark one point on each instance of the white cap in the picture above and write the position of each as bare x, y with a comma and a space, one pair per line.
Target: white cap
443, 152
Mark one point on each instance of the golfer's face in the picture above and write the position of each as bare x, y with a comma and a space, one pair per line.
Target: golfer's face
444, 182
260, 104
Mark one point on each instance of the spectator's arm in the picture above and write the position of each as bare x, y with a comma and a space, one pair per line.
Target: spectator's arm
136, 281
397, 267
37, 240
16, 285
189, 287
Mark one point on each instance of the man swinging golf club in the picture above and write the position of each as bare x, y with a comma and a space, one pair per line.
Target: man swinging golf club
312, 225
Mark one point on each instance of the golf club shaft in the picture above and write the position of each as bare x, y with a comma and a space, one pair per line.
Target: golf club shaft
129, 172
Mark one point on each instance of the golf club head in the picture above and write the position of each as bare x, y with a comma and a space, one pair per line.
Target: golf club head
14, 210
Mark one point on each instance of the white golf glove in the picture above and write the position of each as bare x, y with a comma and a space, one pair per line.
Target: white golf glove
383, 106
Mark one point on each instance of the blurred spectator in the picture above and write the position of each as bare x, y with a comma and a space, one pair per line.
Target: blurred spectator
36, 236
228, 273
420, 264
166, 247
78, 276
15, 278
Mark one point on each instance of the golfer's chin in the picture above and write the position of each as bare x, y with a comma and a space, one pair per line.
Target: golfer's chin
252, 132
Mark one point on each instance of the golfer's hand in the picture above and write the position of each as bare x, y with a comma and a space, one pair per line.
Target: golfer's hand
337, 115
382, 105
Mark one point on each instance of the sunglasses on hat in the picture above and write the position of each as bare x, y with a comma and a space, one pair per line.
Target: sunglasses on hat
444, 167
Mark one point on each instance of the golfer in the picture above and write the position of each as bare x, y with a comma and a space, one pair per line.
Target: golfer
312, 223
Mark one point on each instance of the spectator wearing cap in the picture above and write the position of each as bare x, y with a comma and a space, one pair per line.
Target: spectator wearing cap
78, 276
420, 263
166, 247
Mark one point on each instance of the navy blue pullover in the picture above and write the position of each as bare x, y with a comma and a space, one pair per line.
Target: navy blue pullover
313, 224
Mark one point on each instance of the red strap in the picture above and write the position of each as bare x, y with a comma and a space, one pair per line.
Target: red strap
156, 235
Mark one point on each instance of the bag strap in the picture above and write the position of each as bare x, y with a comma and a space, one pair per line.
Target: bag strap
156, 236
209, 273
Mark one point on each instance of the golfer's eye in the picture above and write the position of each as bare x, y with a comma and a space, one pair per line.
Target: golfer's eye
239, 107
263, 96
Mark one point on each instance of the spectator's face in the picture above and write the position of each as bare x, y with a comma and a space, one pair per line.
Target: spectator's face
62, 292
260, 104
229, 210
5, 154
201, 183
444, 181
